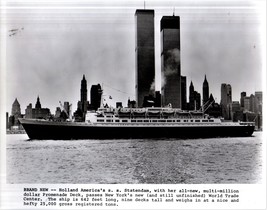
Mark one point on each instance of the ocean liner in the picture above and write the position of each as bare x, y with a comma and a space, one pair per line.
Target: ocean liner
136, 123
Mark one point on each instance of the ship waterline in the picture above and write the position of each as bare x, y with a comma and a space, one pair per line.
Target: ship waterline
137, 123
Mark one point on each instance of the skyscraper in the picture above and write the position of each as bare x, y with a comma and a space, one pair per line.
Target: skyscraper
170, 60
157, 99
191, 96
7, 121
15, 113
144, 53
16, 108
67, 108
197, 100
58, 112
194, 98
246, 103
205, 89
252, 103
258, 97
243, 95
183, 92
83, 104
95, 93
226, 100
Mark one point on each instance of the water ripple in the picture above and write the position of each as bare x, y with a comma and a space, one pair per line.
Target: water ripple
156, 161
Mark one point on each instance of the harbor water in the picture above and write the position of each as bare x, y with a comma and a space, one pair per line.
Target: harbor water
135, 161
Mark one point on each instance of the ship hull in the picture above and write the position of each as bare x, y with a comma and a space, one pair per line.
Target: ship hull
64, 131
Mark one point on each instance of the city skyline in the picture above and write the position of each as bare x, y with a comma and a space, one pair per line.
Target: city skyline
51, 57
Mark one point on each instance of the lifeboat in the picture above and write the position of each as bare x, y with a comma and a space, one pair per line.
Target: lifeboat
154, 113
124, 112
168, 112
139, 112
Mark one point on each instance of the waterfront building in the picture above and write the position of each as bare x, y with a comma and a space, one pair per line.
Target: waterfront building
152, 100
15, 108
83, 104
194, 98
11, 124
38, 112
253, 109
144, 53
171, 61
67, 108
243, 95
7, 121
246, 104
236, 106
28, 111
214, 109
183, 92
131, 104
238, 116
226, 101
157, 99
149, 101
15, 113
119, 105
197, 100
63, 112
258, 105
58, 112
191, 96
258, 97
95, 93
236, 110
211, 98
252, 104
205, 91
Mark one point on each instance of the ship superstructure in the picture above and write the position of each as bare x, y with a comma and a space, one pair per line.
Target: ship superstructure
148, 116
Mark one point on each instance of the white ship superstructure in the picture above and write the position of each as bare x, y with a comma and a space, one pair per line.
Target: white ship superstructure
154, 117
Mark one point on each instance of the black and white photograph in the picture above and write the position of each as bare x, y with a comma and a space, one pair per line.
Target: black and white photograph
134, 92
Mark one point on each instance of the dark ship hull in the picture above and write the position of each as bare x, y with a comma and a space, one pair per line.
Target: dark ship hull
73, 130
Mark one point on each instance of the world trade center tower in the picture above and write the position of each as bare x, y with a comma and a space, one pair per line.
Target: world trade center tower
144, 53
170, 61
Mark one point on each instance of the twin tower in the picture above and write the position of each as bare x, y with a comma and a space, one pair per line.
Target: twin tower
170, 57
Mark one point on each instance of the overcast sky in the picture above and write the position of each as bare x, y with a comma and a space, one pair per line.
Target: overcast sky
57, 42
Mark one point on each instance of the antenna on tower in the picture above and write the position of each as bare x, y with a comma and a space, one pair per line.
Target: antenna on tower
144, 4
173, 11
